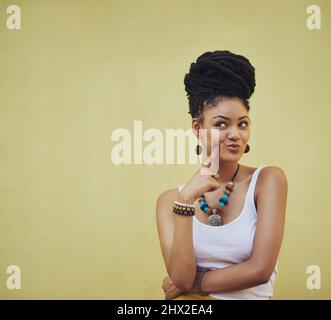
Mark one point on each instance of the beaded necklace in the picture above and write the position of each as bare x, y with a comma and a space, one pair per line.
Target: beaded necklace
215, 218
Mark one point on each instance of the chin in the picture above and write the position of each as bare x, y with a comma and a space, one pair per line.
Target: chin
231, 158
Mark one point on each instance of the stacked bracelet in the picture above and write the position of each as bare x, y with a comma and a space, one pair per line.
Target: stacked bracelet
183, 209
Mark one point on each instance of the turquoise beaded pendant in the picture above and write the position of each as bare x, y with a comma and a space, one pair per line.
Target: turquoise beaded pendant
215, 218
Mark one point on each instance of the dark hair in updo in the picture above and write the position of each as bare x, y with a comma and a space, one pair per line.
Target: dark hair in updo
217, 75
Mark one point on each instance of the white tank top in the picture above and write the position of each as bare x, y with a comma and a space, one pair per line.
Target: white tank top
222, 246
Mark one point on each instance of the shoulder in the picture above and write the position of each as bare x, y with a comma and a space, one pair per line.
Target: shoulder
272, 173
167, 195
165, 200
164, 217
271, 179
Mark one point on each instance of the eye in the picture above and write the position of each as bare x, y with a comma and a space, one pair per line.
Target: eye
219, 124
244, 122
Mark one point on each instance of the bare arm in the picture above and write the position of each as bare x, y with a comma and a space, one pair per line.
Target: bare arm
176, 240
271, 206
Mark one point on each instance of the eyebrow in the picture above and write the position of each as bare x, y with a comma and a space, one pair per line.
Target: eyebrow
220, 116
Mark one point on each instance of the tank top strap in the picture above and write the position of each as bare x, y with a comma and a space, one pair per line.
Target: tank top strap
251, 188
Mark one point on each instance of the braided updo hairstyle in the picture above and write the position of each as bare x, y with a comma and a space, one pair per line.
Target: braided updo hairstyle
217, 75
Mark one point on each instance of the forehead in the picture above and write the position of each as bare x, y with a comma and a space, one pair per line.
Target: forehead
231, 108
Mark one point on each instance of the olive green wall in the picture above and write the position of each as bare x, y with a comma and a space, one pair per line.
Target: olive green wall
77, 225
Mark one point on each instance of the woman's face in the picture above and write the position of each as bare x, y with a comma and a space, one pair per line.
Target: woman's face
231, 121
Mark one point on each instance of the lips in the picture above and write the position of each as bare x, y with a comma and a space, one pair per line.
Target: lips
233, 147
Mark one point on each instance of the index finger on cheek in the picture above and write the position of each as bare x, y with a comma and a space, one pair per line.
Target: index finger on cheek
215, 160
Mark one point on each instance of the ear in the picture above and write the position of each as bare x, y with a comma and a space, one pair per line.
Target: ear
196, 126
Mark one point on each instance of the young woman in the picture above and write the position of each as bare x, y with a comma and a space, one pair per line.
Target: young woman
221, 232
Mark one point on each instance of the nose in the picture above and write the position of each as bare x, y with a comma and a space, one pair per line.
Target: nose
233, 134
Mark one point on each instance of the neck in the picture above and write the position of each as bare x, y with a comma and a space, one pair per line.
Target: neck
226, 171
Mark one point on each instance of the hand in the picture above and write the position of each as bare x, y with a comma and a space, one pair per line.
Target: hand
170, 290
201, 182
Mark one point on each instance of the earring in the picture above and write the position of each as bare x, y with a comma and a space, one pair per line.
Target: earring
247, 148
198, 149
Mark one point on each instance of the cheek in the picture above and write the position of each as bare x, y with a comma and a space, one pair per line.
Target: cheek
216, 136
211, 138
245, 135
